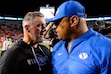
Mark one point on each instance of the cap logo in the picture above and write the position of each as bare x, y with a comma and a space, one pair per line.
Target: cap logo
83, 55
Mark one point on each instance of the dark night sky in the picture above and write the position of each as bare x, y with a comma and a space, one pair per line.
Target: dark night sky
20, 7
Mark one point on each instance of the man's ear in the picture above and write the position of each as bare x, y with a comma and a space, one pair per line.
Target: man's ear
74, 20
27, 28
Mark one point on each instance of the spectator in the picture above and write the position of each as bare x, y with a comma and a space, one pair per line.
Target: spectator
7, 44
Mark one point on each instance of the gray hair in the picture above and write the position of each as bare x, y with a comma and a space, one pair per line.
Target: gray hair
30, 16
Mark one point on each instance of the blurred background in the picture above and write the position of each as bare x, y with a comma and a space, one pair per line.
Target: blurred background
20, 7
98, 15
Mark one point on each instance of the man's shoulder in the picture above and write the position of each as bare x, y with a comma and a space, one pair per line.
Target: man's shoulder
59, 43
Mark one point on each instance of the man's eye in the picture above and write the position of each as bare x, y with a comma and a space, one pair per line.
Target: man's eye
39, 25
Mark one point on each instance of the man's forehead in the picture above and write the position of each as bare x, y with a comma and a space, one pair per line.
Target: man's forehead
40, 20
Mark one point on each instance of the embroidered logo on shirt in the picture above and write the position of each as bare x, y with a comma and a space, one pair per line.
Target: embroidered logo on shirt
60, 53
83, 55
41, 60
